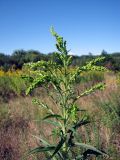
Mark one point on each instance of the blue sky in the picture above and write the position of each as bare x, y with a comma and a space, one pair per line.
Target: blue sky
87, 25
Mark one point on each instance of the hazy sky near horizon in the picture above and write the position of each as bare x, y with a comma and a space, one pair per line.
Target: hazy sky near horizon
87, 25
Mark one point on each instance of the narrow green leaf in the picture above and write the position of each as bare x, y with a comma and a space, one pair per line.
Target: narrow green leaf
42, 140
91, 152
57, 116
80, 157
58, 147
41, 149
86, 146
53, 123
79, 124
81, 110
60, 155
27, 78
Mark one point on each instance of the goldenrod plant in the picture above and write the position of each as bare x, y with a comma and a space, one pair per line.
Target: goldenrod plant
67, 122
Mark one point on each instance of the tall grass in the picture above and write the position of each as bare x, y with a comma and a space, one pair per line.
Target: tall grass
101, 107
104, 107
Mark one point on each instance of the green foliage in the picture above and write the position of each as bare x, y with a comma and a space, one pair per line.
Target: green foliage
11, 86
19, 57
67, 122
5, 88
18, 85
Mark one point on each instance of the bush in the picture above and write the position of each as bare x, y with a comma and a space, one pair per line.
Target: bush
11, 86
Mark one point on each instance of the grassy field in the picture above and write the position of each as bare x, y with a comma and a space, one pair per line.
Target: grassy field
20, 120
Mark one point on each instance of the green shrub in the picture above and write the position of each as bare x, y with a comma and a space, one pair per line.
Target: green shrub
18, 85
11, 86
5, 88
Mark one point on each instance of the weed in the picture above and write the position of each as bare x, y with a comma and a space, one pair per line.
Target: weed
67, 121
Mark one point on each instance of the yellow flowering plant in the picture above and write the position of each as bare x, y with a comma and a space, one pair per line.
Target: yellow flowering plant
67, 121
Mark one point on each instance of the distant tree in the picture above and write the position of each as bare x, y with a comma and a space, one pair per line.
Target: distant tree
90, 54
109, 61
104, 53
34, 56
18, 58
4, 61
116, 59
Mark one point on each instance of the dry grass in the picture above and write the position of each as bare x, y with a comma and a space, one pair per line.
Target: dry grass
24, 120
104, 107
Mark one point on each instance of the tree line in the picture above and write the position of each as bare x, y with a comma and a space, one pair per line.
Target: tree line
19, 57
